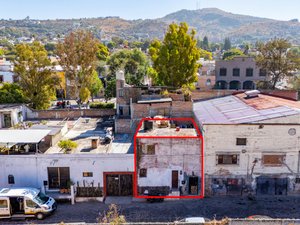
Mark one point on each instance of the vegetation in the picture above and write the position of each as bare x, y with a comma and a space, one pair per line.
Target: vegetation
175, 59
96, 85
102, 105
112, 216
276, 58
110, 90
78, 54
11, 93
230, 54
34, 70
67, 145
227, 44
134, 63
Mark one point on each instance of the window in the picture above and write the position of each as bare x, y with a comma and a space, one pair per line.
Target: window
3, 204
58, 177
151, 149
236, 72
11, 179
297, 181
273, 160
143, 172
87, 174
121, 92
223, 72
15, 78
241, 141
249, 72
31, 204
228, 159
262, 73
1, 78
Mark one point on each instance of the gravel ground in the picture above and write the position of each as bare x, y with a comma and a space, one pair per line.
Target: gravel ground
218, 207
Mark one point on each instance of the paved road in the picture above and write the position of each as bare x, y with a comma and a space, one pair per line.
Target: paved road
219, 207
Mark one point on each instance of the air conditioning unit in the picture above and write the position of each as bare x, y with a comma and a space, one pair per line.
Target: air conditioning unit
252, 94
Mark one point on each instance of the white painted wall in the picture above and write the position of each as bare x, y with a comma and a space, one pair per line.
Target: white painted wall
31, 170
269, 139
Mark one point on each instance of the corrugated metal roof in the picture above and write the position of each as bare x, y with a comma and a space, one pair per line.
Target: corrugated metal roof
232, 110
22, 136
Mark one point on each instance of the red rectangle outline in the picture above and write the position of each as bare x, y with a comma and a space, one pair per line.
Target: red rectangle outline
200, 136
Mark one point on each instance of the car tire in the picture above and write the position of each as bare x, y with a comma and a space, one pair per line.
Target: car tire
40, 216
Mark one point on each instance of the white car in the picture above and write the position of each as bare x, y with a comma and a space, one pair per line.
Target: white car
192, 220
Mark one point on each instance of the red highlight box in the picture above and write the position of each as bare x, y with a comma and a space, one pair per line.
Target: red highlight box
199, 136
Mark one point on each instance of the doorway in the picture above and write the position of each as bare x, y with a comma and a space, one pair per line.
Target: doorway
17, 205
193, 185
174, 179
271, 186
118, 184
7, 120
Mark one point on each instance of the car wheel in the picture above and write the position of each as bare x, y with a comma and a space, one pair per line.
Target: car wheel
39, 216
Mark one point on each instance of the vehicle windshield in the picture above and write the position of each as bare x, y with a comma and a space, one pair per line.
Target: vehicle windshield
41, 198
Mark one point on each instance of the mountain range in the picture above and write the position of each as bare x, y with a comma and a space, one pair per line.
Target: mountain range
212, 22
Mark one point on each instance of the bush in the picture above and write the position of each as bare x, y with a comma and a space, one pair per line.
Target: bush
102, 105
67, 145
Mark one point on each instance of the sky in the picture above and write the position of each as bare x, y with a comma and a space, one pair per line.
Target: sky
142, 9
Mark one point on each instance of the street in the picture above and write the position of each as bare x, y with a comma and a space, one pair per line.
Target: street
218, 207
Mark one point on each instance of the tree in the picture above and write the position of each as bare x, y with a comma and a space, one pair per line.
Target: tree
110, 89
102, 52
230, 54
50, 47
227, 44
205, 54
96, 85
134, 63
67, 145
205, 44
11, 93
78, 55
1, 52
276, 58
35, 72
175, 59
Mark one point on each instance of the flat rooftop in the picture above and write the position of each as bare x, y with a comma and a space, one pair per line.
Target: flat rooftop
86, 129
237, 109
166, 129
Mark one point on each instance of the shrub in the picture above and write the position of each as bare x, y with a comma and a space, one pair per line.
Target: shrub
67, 145
102, 105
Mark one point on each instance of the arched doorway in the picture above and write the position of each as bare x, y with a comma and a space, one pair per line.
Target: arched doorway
221, 84
234, 85
248, 85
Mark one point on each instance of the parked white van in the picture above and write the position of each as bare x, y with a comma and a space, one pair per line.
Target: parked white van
25, 202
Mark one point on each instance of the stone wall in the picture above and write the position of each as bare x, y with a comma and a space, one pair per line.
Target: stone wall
68, 113
123, 126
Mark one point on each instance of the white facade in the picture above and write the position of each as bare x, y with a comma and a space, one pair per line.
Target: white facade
6, 71
11, 115
31, 170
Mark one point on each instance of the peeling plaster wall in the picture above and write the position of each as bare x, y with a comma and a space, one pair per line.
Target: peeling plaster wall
170, 154
269, 139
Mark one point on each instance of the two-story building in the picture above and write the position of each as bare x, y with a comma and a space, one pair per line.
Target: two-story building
239, 73
251, 140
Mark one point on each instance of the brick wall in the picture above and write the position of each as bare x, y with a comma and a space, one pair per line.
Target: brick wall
70, 113
288, 94
123, 126
201, 95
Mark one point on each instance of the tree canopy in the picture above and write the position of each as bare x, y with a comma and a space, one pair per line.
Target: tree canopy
35, 74
78, 55
230, 54
227, 44
11, 93
175, 59
278, 60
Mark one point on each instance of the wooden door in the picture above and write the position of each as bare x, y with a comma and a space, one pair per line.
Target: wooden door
112, 185
174, 179
126, 185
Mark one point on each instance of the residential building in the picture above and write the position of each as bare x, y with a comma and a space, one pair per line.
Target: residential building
136, 103
6, 72
11, 115
250, 141
164, 165
239, 73
206, 75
